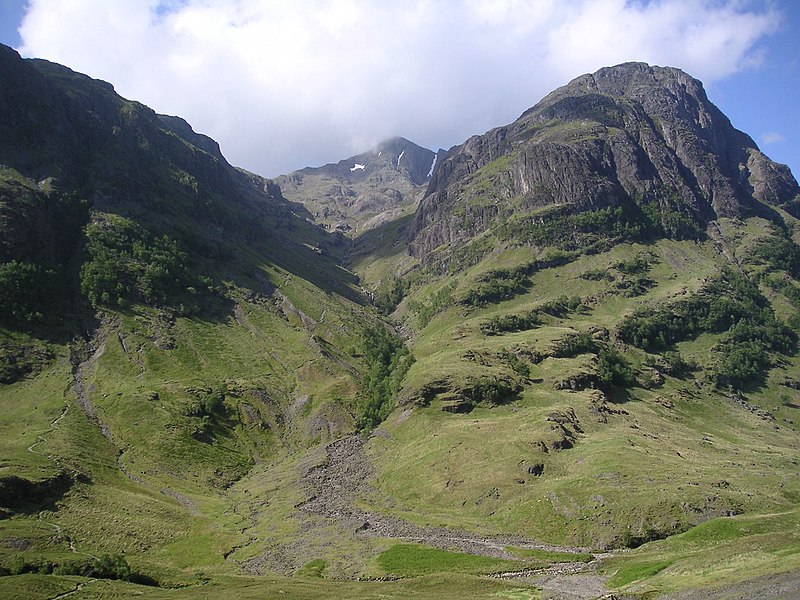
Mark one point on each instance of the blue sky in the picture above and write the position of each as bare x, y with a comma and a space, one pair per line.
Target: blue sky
282, 85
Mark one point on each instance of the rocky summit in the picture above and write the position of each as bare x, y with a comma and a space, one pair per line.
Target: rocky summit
621, 137
560, 360
366, 190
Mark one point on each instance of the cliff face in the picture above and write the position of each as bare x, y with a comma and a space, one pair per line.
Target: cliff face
625, 134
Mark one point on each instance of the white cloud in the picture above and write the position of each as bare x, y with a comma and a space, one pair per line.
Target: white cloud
283, 84
772, 137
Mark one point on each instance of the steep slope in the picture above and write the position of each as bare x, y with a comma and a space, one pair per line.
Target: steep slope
363, 191
632, 137
603, 309
168, 323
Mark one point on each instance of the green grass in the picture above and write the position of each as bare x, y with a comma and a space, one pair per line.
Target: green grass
432, 587
718, 552
636, 571
313, 568
414, 560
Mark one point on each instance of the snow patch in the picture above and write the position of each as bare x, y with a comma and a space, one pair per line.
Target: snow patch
433, 165
399, 157
357, 167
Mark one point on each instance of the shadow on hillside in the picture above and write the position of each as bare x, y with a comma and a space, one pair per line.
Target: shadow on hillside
618, 395
384, 241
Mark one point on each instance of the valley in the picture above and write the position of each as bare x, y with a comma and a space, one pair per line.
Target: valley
559, 360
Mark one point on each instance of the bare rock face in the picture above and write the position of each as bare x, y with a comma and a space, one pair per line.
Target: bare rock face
366, 190
626, 134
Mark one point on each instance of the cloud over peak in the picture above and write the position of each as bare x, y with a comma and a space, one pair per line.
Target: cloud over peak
283, 85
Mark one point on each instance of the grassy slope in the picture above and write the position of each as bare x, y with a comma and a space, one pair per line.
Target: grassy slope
174, 512
666, 458
674, 455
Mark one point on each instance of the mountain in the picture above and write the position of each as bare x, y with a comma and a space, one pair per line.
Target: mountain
626, 136
366, 190
559, 360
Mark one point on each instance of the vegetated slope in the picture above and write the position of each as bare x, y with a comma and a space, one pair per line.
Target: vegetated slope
366, 190
603, 313
168, 323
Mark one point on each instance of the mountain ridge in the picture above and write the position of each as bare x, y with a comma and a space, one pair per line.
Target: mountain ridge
602, 140
365, 190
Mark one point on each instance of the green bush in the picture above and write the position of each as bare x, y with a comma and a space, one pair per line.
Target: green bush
573, 344
730, 304
108, 566
390, 294
779, 252
126, 263
27, 292
612, 369
436, 303
387, 360
497, 285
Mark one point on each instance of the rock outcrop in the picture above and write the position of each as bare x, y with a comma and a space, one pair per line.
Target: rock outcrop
627, 134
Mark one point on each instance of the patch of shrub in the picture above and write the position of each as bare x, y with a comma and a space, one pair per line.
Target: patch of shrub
490, 391
436, 303
387, 360
520, 367
731, 304
613, 369
108, 566
779, 253
27, 292
497, 285
510, 323
573, 344
560, 307
127, 263
389, 295
597, 275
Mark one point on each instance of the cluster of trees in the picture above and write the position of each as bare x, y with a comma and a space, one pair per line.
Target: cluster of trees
634, 281
658, 214
730, 304
126, 263
779, 253
559, 307
387, 360
612, 369
108, 566
436, 303
497, 285
570, 230
490, 391
28, 292
390, 294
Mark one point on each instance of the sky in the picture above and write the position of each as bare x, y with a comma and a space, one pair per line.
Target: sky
287, 84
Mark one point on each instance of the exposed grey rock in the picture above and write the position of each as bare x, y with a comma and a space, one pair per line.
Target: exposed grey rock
625, 132
364, 191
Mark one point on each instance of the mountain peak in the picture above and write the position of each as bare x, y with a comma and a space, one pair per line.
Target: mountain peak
605, 139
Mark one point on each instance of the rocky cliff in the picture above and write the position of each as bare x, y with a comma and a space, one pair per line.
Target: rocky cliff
624, 136
365, 190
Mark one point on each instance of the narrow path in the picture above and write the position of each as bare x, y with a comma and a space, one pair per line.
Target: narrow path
79, 369
78, 588
67, 538
40, 439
